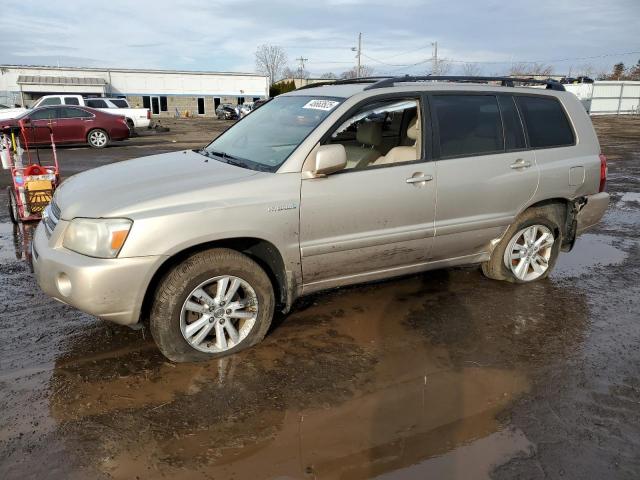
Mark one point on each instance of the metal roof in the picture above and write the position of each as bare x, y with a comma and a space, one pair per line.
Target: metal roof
45, 80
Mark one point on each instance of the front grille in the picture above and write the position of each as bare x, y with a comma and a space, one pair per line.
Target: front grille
51, 217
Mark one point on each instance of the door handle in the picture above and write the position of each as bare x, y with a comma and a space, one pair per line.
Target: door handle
418, 178
520, 163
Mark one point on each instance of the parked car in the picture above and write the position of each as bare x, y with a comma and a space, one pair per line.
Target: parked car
307, 194
246, 108
259, 103
226, 111
135, 117
71, 125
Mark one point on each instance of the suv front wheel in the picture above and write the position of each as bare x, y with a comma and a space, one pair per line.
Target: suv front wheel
530, 247
213, 304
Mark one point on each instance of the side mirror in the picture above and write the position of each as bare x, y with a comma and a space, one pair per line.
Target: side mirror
329, 159
26, 120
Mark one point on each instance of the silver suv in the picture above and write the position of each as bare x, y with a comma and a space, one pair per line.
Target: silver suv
323, 187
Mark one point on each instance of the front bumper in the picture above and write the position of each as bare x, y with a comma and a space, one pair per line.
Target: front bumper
592, 211
111, 289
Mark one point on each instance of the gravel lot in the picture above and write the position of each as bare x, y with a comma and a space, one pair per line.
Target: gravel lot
439, 375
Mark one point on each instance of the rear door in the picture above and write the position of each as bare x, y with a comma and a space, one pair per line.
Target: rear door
485, 172
72, 125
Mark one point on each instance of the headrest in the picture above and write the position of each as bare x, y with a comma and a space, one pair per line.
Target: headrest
369, 133
413, 130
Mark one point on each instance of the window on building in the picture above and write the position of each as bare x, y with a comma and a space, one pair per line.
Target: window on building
216, 103
513, 131
545, 121
50, 101
240, 100
163, 104
468, 125
200, 106
71, 101
146, 101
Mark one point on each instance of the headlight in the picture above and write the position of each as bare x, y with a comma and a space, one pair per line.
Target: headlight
97, 237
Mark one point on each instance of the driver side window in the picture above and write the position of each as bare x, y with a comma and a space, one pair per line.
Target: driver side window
381, 133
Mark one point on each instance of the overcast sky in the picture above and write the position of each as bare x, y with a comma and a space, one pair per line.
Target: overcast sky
397, 36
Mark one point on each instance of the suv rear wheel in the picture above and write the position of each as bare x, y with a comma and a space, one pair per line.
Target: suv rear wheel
530, 247
213, 304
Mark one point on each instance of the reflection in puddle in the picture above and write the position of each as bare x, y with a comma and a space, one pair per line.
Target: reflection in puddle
405, 376
630, 197
15, 241
589, 253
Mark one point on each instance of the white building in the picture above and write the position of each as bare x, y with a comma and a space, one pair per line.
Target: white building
607, 97
165, 92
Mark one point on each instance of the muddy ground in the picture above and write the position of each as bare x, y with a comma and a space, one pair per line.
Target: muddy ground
439, 375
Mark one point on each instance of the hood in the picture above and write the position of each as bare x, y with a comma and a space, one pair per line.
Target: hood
139, 186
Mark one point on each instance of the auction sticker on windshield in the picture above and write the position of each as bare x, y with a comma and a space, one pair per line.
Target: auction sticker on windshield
325, 105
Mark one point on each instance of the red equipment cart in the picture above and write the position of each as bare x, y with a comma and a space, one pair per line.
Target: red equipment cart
33, 181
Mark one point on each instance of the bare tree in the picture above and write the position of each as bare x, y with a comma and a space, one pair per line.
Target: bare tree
328, 76
365, 71
530, 70
471, 70
586, 70
298, 73
271, 60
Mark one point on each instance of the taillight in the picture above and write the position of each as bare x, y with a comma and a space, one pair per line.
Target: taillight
603, 172
148, 114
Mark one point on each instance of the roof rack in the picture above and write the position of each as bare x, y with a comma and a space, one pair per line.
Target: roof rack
504, 81
346, 81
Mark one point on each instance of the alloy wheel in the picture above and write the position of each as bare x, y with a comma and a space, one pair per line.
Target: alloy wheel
219, 314
528, 253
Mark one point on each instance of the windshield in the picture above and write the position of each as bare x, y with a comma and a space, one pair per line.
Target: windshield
264, 139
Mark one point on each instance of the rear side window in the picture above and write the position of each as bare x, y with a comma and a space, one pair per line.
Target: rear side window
468, 125
120, 103
513, 132
547, 124
97, 104
73, 113
71, 101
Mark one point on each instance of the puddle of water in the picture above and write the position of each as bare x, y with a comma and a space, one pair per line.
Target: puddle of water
15, 241
630, 197
590, 252
474, 461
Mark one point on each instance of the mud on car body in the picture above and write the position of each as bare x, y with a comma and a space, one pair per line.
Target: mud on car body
323, 187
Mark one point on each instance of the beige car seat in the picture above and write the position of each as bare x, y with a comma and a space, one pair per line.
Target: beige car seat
404, 153
369, 136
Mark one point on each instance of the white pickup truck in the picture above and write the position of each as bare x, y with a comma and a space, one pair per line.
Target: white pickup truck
136, 117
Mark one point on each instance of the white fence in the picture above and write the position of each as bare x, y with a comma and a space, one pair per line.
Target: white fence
608, 97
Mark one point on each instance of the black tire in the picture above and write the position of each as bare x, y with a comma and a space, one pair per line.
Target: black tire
550, 216
94, 135
12, 205
132, 127
176, 286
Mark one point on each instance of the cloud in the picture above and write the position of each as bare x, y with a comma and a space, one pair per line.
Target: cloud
223, 35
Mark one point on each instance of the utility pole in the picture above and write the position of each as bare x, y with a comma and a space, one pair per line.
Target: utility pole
301, 68
435, 58
358, 55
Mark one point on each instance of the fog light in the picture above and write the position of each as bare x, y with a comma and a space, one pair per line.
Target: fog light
63, 283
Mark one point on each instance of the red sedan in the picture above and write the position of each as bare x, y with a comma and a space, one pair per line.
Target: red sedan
71, 124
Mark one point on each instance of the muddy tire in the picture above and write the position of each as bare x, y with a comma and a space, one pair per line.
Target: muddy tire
97, 138
12, 205
213, 304
132, 127
529, 249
